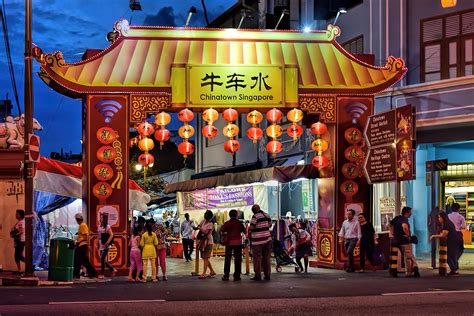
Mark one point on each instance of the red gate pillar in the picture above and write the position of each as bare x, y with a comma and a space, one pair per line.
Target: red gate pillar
351, 188
105, 171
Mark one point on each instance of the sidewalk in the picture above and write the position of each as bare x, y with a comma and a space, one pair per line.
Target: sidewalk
41, 279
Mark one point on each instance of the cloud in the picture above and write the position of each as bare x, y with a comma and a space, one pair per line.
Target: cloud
164, 17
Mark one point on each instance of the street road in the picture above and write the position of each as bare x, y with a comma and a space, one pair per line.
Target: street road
325, 291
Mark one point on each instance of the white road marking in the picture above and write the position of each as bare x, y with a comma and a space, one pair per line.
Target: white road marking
105, 302
427, 292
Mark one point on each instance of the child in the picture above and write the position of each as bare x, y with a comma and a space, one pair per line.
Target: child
161, 233
135, 255
148, 242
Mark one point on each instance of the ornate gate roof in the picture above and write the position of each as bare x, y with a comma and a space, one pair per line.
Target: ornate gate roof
141, 58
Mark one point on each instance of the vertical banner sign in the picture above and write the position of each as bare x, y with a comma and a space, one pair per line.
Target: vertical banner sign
106, 167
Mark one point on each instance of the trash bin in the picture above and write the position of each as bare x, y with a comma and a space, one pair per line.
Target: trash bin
61, 259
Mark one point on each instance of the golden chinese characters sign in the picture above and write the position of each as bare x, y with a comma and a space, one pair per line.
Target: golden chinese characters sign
236, 86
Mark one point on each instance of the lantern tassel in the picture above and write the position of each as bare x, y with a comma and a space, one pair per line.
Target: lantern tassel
118, 180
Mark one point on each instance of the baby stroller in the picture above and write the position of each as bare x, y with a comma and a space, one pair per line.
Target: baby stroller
282, 257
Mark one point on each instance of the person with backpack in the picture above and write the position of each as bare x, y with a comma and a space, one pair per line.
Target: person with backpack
404, 239
231, 236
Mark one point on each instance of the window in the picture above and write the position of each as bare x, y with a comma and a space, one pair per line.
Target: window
355, 45
447, 46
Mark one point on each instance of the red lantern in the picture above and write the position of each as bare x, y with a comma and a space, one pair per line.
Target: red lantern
319, 128
349, 188
294, 131
353, 135
350, 170
162, 135
106, 154
230, 130
185, 148
185, 115
231, 146
145, 129
254, 133
103, 172
354, 153
320, 162
319, 145
274, 115
230, 115
106, 135
146, 144
254, 117
274, 147
102, 190
146, 159
209, 131
210, 115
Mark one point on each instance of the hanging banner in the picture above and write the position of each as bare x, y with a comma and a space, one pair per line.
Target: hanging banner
219, 198
236, 86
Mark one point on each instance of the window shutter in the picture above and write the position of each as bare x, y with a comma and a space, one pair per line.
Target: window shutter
452, 25
432, 30
468, 23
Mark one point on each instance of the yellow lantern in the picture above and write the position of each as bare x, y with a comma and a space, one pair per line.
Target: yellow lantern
295, 115
162, 119
186, 131
319, 145
146, 144
274, 131
448, 3
210, 116
254, 117
230, 130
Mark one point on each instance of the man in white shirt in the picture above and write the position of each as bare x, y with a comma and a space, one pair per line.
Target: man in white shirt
187, 228
350, 236
458, 220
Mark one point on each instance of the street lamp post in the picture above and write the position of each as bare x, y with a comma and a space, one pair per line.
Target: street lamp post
28, 166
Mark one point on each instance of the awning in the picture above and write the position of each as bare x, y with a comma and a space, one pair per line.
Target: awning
280, 174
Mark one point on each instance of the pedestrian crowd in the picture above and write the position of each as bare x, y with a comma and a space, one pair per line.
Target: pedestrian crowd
148, 243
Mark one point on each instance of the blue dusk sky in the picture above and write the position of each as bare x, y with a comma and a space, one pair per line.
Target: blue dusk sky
72, 26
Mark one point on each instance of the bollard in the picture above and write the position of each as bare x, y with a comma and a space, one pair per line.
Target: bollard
393, 269
196, 261
443, 256
247, 259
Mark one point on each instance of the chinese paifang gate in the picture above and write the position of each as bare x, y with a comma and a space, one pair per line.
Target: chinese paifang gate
151, 70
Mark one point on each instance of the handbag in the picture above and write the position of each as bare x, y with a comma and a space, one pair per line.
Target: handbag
378, 257
414, 239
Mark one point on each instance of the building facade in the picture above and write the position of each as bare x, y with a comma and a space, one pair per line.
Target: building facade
437, 46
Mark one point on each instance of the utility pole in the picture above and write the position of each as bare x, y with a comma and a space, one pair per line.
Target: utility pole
29, 166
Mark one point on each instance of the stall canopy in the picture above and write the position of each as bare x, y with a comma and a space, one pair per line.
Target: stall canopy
64, 179
280, 174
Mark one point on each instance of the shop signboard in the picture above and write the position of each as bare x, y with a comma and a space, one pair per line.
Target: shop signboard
219, 198
437, 165
235, 85
390, 136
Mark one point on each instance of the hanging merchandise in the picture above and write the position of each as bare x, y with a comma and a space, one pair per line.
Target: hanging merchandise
210, 116
294, 130
274, 131
254, 132
145, 129
186, 148
319, 145
231, 130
